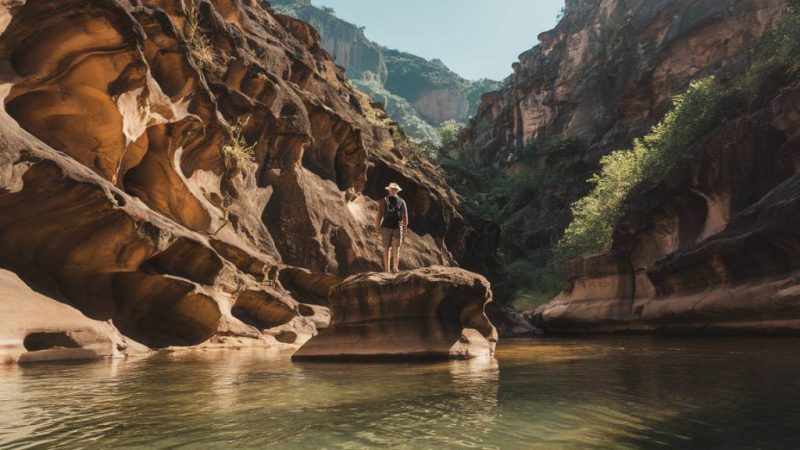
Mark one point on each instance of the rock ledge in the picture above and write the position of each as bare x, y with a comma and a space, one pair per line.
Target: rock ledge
431, 313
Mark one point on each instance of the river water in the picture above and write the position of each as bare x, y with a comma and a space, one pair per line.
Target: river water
610, 392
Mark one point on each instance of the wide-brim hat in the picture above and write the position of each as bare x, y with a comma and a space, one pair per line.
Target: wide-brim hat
394, 186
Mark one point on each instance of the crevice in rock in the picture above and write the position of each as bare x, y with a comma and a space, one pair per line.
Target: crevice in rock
188, 259
46, 340
307, 286
262, 309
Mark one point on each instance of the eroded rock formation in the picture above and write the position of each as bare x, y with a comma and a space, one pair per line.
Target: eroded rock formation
185, 172
714, 245
431, 313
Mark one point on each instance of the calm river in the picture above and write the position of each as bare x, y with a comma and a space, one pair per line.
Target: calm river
613, 392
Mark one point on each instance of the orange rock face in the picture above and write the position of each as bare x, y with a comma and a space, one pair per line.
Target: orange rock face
164, 162
431, 313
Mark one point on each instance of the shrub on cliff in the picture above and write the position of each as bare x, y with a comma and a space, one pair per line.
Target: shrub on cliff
593, 217
449, 131
236, 151
200, 47
783, 43
779, 48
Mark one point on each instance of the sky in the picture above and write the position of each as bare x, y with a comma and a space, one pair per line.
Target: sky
475, 38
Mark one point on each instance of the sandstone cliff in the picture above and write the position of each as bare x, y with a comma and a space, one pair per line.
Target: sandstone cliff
712, 246
345, 41
603, 76
189, 172
418, 93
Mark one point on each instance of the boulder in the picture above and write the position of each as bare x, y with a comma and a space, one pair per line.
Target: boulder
508, 321
431, 313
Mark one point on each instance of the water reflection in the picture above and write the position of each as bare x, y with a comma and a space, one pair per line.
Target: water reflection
628, 392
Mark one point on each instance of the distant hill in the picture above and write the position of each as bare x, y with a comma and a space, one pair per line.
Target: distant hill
417, 93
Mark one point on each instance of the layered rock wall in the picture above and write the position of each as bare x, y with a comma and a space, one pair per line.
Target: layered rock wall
714, 245
163, 163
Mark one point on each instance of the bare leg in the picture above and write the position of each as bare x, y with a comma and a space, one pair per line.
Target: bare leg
386, 266
395, 257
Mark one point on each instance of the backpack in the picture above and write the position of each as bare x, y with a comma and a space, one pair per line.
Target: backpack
392, 214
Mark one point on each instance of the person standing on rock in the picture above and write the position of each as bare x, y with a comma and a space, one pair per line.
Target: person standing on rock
391, 224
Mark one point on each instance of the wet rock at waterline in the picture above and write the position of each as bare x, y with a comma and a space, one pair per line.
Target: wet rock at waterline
436, 312
38, 328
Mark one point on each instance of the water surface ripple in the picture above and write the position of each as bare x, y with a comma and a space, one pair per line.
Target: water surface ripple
611, 392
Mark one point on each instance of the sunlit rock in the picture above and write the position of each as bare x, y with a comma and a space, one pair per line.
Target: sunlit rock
162, 162
436, 312
602, 76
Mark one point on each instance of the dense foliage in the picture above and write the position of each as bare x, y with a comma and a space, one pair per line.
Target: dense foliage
505, 199
692, 115
594, 216
779, 48
449, 131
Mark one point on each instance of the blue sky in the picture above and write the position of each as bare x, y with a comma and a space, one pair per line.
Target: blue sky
475, 38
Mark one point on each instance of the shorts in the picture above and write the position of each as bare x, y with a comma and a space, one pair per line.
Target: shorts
391, 237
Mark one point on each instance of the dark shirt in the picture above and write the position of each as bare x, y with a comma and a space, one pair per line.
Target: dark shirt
389, 220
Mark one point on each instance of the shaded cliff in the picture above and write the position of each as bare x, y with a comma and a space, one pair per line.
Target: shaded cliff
185, 173
714, 244
602, 77
418, 93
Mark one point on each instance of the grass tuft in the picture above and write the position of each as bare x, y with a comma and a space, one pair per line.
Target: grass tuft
236, 151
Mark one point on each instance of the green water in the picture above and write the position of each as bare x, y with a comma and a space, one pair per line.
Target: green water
621, 392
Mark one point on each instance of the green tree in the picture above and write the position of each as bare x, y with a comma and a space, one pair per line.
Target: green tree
449, 131
593, 217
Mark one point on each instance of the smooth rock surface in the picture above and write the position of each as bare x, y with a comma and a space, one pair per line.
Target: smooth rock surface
38, 328
431, 313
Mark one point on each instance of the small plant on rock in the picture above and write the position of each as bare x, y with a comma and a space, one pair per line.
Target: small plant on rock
449, 131
197, 42
236, 151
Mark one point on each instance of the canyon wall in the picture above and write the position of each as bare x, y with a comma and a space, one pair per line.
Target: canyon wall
601, 77
712, 246
189, 173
